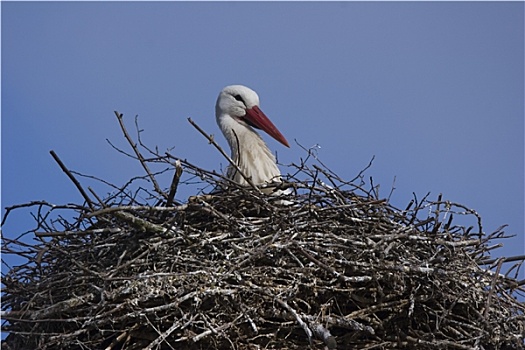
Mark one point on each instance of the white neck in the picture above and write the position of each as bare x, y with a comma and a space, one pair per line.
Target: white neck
250, 153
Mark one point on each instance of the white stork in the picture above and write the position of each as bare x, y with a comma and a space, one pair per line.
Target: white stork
238, 115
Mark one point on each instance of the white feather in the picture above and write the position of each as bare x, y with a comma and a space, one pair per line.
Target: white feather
248, 150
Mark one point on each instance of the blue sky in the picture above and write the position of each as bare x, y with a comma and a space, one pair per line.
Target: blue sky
433, 90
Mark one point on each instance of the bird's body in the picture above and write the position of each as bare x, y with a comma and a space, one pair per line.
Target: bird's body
238, 114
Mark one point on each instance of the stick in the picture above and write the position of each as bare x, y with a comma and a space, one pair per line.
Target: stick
491, 292
232, 163
136, 208
298, 318
72, 178
139, 155
174, 183
508, 259
162, 337
72, 233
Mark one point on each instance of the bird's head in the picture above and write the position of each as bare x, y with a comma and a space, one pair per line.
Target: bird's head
240, 104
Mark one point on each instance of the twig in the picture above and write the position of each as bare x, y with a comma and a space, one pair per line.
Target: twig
298, 318
140, 224
40, 204
219, 148
507, 259
110, 210
162, 337
117, 340
71, 233
215, 330
100, 201
72, 178
174, 183
139, 155
492, 291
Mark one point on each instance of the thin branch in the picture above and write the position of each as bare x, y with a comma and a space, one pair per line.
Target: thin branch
232, 163
505, 259
139, 155
174, 183
72, 178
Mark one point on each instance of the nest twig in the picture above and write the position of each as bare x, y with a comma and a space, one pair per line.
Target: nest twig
340, 267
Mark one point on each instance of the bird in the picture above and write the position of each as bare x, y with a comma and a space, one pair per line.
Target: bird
239, 117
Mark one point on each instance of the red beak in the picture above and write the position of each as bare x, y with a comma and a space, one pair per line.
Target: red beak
256, 117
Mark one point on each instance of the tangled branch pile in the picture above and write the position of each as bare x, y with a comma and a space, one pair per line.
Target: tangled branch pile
335, 267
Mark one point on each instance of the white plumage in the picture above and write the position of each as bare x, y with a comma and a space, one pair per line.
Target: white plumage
238, 113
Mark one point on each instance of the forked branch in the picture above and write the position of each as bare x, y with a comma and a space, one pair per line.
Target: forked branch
141, 159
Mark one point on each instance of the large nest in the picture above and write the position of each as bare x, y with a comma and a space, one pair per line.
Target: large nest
331, 266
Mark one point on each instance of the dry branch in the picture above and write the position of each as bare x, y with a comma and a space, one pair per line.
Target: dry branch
73, 179
224, 154
139, 155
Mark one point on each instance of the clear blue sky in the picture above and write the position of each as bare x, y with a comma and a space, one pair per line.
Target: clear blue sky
435, 90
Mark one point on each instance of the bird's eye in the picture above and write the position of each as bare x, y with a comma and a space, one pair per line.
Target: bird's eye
239, 98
